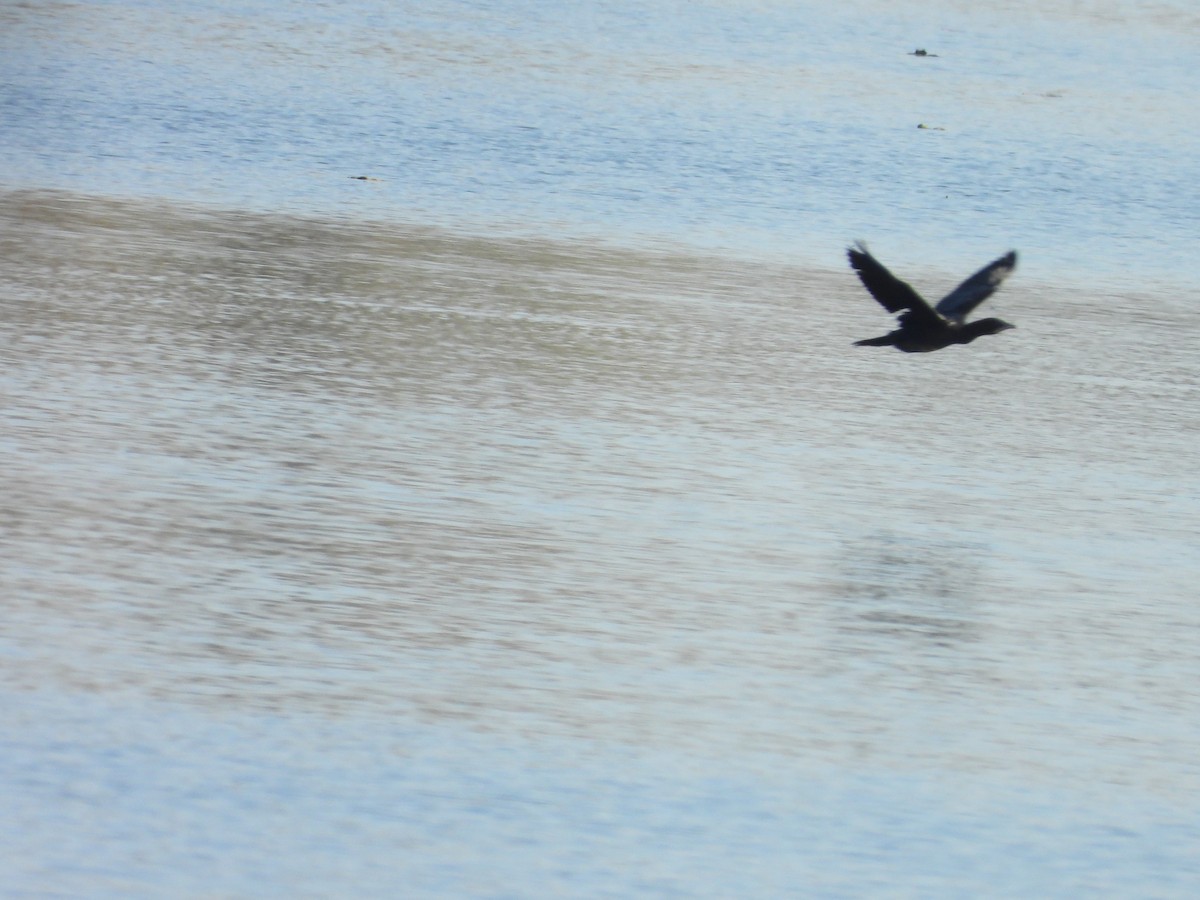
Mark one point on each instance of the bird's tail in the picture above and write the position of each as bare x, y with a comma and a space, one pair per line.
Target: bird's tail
885, 341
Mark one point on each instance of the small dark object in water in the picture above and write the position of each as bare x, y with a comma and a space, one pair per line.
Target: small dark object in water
920, 52
923, 327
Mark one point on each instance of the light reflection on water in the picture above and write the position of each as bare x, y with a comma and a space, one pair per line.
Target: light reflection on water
648, 498
298, 467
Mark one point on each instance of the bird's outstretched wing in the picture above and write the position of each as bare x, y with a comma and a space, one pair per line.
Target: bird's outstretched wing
893, 294
959, 302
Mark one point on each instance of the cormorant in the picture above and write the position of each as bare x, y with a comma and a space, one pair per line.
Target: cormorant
923, 327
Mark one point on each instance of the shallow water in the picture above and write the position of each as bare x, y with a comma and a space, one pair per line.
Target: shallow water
472, 535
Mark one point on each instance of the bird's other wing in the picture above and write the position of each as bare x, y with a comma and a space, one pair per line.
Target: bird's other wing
893, 294
959, 302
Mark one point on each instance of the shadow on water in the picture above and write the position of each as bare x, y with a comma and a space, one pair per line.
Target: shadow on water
918, 590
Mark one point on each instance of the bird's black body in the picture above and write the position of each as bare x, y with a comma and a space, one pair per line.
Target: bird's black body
923, 327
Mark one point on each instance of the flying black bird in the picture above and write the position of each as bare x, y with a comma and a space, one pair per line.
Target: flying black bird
924, 327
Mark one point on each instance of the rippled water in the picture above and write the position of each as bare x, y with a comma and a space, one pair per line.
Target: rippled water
761, 129
522, 522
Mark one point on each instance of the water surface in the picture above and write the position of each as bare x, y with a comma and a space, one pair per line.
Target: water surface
521, 521
757, 129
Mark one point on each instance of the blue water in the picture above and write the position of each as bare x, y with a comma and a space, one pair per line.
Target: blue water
435, 464
778, 130
174, 804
